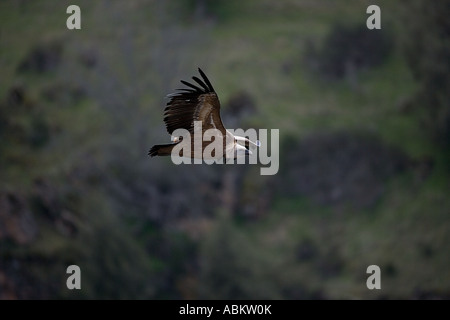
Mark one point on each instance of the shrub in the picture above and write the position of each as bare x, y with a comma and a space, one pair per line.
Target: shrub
347, 50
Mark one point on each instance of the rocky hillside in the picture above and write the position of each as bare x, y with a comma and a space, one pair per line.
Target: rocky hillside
364, 151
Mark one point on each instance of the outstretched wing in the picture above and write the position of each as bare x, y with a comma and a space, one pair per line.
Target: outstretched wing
198, 102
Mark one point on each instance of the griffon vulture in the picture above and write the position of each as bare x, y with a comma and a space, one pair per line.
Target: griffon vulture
199, 102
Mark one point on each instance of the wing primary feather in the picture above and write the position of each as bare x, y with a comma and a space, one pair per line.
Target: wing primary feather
191, 85
187, 90
181, 92
200, 82
205, 78
173, 94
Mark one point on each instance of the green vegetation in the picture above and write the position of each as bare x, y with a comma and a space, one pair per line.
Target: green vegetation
364, 157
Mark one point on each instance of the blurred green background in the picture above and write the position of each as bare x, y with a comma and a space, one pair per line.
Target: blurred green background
364, 119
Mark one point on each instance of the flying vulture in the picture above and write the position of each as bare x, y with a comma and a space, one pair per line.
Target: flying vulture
199, 104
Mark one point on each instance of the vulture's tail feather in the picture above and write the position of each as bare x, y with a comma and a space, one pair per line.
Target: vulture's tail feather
161, 150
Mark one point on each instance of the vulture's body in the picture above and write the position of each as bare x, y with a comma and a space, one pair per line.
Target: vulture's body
189, 107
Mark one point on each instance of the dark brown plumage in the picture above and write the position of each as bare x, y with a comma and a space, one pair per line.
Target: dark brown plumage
198, 103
